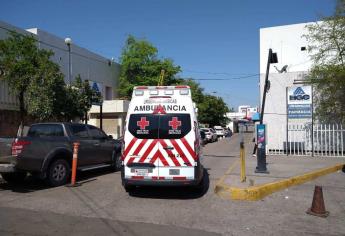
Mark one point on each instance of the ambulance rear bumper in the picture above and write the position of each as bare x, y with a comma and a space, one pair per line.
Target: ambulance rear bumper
164, 182
145, 182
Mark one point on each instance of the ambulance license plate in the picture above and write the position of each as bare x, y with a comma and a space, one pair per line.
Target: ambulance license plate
141, 172
174, 172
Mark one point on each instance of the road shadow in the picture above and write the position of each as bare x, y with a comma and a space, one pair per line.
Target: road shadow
220, 156
28, 185
32, 183
173, 192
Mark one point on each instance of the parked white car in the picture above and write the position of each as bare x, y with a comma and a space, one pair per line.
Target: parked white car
211, 135
219, 131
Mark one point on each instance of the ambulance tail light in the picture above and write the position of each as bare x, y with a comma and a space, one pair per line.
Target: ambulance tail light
196, 149
122, 147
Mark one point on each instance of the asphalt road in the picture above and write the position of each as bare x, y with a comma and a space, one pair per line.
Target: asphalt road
101, 206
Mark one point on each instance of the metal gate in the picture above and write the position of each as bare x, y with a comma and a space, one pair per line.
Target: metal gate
311, 140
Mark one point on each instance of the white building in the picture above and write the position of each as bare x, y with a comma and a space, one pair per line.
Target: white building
244, 112
90, 66
290, 45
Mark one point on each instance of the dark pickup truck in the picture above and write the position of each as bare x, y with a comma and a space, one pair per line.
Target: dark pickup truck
47, 149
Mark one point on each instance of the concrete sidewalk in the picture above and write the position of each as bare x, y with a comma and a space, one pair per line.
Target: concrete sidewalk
284, 171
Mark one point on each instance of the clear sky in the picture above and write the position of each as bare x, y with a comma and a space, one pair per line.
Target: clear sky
216, 39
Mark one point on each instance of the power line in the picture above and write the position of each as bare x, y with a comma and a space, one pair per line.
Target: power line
214, 73
233, 78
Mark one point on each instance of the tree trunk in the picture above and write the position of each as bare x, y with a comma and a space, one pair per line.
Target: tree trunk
21, 112
85, 116
21, 107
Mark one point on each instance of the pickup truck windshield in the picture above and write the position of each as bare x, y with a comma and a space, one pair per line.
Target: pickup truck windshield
167, 126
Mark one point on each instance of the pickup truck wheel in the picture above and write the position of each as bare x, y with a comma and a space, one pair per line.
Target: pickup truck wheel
15, 177
58, 173
117, 162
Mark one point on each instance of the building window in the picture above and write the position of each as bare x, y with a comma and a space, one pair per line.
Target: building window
108, 93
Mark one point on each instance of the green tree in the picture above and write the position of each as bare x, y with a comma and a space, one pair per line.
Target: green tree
80, 97
46, 92
327, 48
19, 60
197, 91
38, 82
212, 111
140, 65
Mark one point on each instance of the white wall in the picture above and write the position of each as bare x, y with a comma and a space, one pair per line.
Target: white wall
85, 63
286, 41
89, 65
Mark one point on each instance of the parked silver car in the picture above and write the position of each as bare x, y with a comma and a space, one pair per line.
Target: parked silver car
211, 135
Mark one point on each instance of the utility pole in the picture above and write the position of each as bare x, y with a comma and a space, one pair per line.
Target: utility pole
261, 128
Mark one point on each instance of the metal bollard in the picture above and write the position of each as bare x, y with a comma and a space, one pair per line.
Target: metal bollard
243, 162
74, 165
242, 156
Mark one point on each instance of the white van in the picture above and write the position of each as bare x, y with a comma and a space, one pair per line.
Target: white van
161, 140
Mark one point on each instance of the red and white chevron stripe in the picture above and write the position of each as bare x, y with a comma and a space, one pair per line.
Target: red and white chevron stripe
155, 151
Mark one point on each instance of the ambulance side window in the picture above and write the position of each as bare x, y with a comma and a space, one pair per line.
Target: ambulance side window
144, 126
174, 126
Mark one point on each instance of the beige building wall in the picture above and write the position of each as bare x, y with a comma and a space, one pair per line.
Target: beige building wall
114, 116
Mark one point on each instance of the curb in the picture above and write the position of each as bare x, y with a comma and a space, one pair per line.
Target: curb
259, 192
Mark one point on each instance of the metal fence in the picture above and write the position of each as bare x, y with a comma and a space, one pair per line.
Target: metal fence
310, 140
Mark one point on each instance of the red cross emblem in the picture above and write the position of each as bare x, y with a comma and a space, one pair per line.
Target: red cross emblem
143, 123
174, 123
159, 110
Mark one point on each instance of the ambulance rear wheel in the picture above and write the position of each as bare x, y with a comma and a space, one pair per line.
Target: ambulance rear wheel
201, 186
129, 188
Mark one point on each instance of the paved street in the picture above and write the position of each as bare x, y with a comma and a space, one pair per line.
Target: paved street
101, 206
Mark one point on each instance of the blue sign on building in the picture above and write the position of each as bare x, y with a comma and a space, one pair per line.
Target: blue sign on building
299, 111
299, 102
95, 87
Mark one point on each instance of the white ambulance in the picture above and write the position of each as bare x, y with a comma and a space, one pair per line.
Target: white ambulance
162, 140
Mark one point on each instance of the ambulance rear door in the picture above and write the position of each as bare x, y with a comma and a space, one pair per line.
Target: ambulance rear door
176, 149
141, 146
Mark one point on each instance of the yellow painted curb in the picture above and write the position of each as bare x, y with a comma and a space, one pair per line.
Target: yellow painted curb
258, 192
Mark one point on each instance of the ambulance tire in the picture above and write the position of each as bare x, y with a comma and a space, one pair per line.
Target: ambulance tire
129, 188
201, 185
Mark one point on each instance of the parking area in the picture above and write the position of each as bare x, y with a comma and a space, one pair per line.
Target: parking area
101, 205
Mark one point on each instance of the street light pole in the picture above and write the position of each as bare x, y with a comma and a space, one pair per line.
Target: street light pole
261, 128
68, 42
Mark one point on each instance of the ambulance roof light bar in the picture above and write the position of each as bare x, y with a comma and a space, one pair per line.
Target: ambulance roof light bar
163, 87
153, 92
169, 92
139, 92
184, 91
